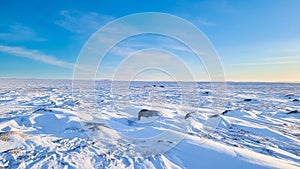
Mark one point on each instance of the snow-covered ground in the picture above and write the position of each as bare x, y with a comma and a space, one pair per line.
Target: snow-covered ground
47, 123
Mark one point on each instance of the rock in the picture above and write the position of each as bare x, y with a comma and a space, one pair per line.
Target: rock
95, 126
188, 115
43, 109
214, 115
154, 85
162, 86
247, 100
148, 113
164, 141
226, 111
205, 93
289, 95
295, 100
5, 136
293, 112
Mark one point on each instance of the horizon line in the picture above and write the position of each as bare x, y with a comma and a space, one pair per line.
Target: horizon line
226, 81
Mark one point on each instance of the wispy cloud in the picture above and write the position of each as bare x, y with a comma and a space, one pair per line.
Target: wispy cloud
123, 51
132, 45
19, 32
223, 6
271, 61
35, 55
204, 22
82, 22
283, 58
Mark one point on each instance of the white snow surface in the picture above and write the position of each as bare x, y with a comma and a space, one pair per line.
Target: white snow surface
47, 124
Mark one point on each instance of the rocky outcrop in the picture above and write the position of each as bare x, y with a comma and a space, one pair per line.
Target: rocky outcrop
188, 115
226, 111
293, 112
148, 113
5, 136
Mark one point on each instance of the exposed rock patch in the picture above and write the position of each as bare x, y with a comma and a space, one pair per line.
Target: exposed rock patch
5, 136
206, 93
289, 96
226, 111
148, 113
188, 115
293, 112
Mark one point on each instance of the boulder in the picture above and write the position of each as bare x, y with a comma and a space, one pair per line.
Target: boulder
226, 111
188, 115
148, 113
293, 112
206, 93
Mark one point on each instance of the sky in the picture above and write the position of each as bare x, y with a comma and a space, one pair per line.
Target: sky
255, 40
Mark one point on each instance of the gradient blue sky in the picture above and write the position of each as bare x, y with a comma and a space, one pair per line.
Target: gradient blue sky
256, 40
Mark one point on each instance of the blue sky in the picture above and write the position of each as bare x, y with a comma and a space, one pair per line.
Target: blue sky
256, 40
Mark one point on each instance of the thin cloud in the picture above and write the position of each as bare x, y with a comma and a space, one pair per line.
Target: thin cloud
283, 58
270, 61
82, 22
18, 32
123, 51
204, 22
128, 47
35, 55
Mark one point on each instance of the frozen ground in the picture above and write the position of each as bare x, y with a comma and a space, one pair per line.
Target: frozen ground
40, 127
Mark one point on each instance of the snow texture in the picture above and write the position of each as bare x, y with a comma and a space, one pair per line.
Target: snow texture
47, 124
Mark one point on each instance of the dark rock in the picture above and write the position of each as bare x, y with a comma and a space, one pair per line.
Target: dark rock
226, 111
42, 109
148, 113
192, 134
295, 100
205, 93
293, 112
188, 115
77, 102
162, 86
247, 100
289, 95
154, 85
163, 141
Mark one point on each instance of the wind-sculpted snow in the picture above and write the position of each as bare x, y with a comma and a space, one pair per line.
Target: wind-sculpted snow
47, 123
